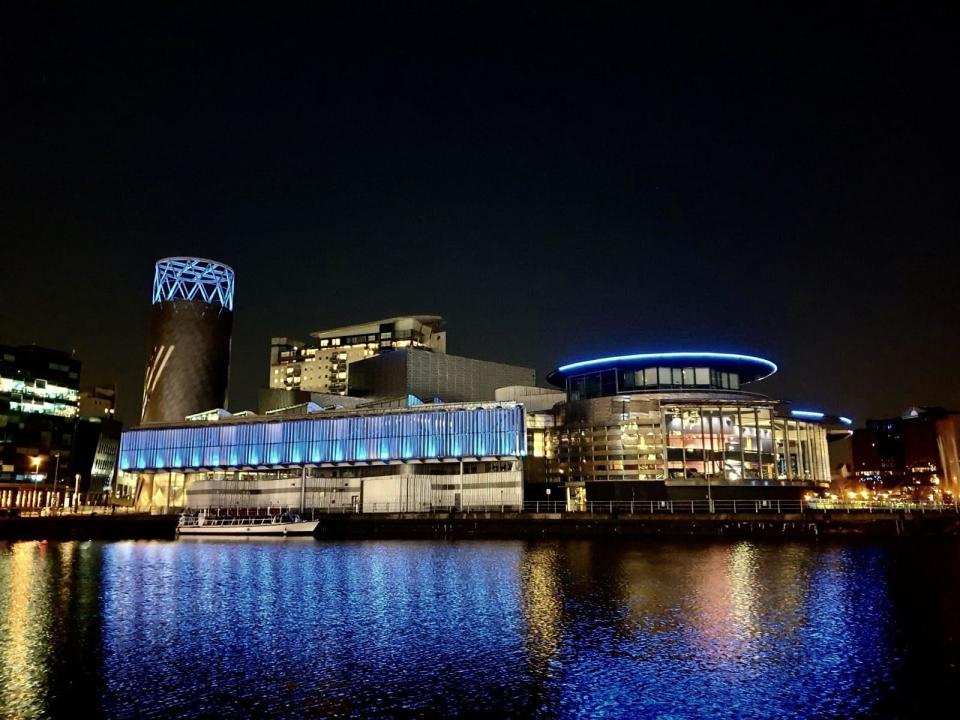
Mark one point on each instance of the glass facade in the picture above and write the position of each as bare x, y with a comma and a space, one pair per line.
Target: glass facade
421, 433
40, 396
604, 383
725, 442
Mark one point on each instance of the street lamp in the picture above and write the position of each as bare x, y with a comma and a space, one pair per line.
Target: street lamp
36, 472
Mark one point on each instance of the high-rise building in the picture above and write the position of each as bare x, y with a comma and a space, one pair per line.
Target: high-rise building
39, 395
188, 348
322, 365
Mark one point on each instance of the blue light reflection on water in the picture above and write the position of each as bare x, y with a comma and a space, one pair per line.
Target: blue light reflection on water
548, 629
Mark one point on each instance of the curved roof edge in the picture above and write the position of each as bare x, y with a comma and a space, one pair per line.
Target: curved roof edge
750, 367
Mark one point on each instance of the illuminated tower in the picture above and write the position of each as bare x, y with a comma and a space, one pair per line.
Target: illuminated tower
188, 348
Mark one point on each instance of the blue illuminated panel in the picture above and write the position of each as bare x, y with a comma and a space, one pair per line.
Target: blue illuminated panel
807, 414
428, 434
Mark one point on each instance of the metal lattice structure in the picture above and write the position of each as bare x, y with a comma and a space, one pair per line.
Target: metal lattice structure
193, 279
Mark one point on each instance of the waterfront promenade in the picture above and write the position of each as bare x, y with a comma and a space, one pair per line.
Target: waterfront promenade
720, 518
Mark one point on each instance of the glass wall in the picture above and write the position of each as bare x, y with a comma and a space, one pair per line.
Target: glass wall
472, 431
611, 382
744, 442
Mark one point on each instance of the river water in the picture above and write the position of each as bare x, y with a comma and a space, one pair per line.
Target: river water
300, 628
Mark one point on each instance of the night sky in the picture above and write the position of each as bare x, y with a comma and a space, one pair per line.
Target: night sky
559, 180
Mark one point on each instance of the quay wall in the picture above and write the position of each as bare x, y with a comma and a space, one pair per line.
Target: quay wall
90, 527
573, 525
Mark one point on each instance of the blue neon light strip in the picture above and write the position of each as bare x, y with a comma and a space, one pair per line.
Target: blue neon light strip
464, 432
691, 356
846, 420
810, 414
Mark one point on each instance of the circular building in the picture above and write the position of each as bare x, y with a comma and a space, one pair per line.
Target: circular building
188, 346
682, 426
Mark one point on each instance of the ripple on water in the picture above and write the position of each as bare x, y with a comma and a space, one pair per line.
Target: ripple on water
546, 629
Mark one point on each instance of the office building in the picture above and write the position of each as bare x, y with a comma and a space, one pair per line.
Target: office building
433, 376
188, 346
322, 365
39, 397
915, 452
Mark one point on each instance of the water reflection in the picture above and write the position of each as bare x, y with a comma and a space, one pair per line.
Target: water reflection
549, 629
50, 629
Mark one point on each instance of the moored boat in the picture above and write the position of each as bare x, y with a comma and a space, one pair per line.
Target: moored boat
202, 523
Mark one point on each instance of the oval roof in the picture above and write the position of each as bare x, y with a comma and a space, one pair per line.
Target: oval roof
748, 367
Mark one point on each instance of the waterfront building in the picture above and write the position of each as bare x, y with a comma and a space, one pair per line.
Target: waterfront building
39, 398
322, 365
917, 451
399, 459
433, 376
661, 426
682, 425
188, 345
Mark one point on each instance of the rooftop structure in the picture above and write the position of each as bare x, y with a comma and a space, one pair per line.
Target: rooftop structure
429, 376
322, 365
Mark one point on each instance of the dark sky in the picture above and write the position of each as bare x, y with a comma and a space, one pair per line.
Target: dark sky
559, 180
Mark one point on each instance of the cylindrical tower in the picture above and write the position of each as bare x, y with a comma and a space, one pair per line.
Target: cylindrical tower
188, 348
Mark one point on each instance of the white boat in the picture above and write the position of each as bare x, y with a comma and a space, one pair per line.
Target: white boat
284, 524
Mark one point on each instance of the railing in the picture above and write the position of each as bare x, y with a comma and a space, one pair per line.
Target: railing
57, 511
655, 507
622, 507
693, 507
194, 521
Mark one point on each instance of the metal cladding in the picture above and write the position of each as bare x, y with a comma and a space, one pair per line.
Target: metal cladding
188, 346
420, 434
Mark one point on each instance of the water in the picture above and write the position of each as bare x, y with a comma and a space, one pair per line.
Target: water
297, 628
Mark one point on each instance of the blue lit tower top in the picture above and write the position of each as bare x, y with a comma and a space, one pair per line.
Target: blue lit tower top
193, 279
